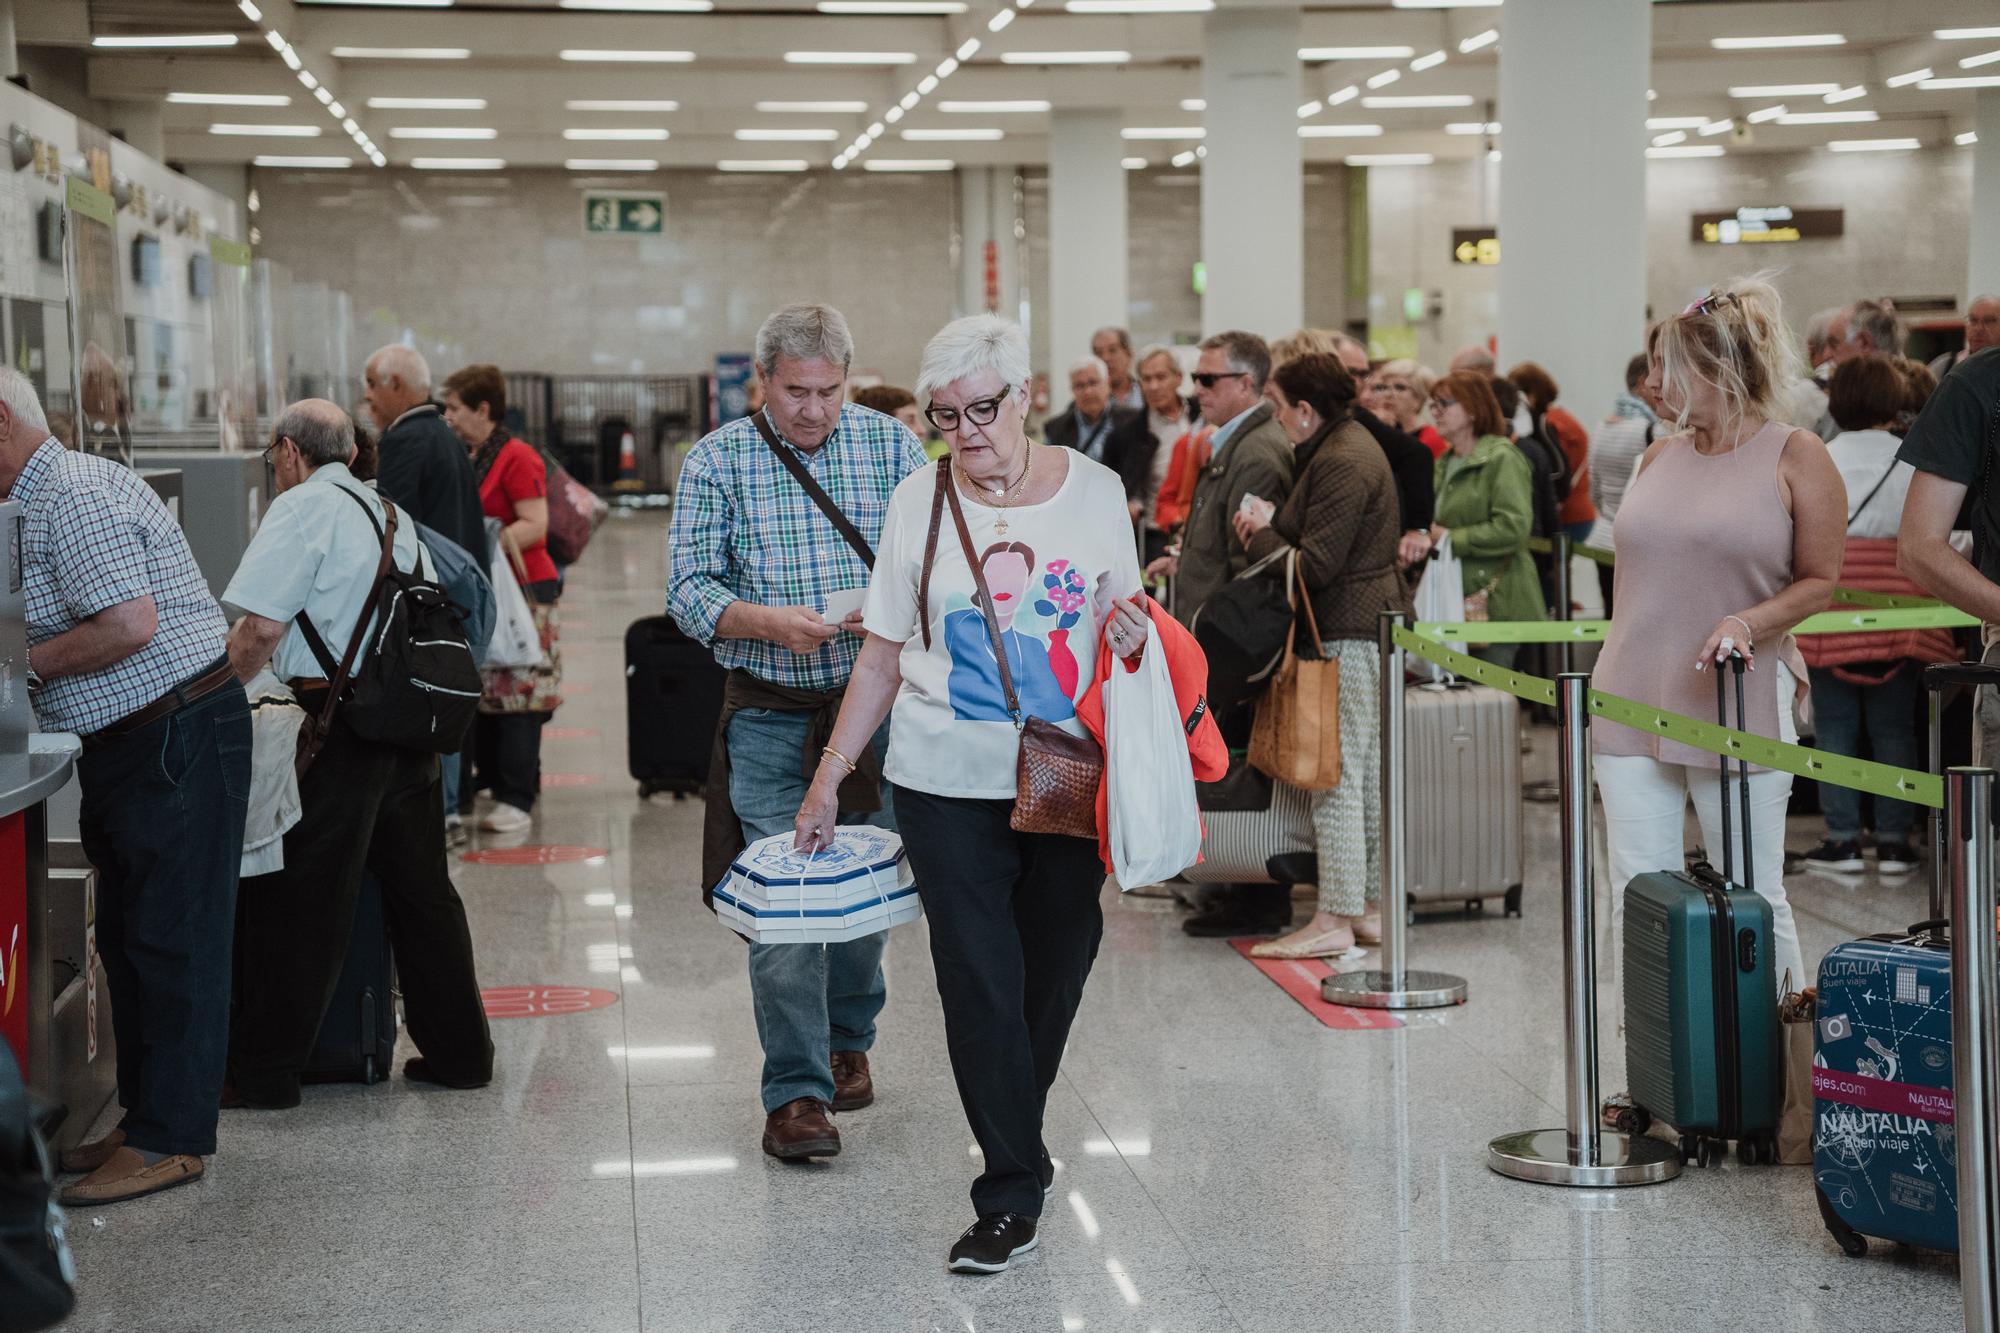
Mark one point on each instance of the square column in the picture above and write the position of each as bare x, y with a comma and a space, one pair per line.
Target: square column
1253, 177
1983, 279
1573, 79
1087, 235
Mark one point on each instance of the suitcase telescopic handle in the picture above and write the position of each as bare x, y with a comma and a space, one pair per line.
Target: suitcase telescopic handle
1722, 720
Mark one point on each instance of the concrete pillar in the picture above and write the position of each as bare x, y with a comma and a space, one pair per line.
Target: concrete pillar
1983, 278
1252, 178
1087, 233
986, 233
10, 55
141, 124
1572, 280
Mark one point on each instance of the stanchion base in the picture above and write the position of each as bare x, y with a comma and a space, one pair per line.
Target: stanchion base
1543, 1156
1385, 990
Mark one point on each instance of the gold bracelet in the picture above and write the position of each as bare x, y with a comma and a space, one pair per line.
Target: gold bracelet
851, 765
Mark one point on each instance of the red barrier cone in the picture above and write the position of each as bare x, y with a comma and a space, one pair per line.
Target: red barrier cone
628, 465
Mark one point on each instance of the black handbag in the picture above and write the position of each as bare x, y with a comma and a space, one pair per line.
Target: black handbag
37, 1274
1241, 629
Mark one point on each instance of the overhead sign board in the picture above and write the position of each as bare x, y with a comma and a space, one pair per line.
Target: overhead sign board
1475, 245
1767, 224
624, 214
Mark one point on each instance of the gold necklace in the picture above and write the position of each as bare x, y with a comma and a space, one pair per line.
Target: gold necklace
1006, 495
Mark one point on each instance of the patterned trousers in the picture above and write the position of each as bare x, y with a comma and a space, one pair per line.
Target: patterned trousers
1347, 818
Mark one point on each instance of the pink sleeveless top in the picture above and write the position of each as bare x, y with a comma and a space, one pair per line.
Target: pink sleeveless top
1700, 537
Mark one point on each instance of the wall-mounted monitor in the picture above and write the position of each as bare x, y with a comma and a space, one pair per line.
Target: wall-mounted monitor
49, 232
146, 261
201, 276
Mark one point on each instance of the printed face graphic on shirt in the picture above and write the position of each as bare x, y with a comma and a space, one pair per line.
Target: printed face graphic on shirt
1044, 669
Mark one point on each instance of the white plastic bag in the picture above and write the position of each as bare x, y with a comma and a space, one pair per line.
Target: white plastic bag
516, 642
1441, 595
1155, 827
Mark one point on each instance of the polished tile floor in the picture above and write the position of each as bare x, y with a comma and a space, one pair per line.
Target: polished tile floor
1227, 1161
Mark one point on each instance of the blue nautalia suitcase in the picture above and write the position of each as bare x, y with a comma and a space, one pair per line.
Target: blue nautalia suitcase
1885, 1155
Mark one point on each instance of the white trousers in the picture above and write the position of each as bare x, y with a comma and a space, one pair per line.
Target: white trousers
1645, 813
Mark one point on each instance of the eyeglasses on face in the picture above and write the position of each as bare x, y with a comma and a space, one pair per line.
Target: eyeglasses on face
272, 447
1440, 403
1209, 381
983, 412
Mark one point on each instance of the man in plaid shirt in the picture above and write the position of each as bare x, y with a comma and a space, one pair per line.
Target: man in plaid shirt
754, 564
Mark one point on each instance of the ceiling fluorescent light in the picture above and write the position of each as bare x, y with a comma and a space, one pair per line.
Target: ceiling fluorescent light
1003, 108
1914, 76
1385, 78
1133, 163
1317, 53
1965, 34
908, 164
621, 57
387, 4
1194, 104
1874, 145
1469, 127
1974, 62
322, 96
1967, 139
875, 131
1828, 118
623, 104
646, 134
1777, 43
1426, 100
337, 111
1340, 131
401, 53
927, 85
442, 132
1163, 132
1184, 159
1347, 94
347, 123
1965, 81
946, 67
291, 59
1715, 127
1446, 4
1670, 138
1388, 159
1762, 114
165, 41
458, 163
1065, 57
1000, 20
1311, 108
1431, 61
904, 7
1139, 6
1749, 91
812, 108
250, 10
288, 160
954, 136
1846, 94
306, 78
641, 6
783, 136
229, 99
1479, 41
908, 102
967, 49
427, 103
850, 58
1688, 150
1675, 122
611, 164
268, 131
766, 164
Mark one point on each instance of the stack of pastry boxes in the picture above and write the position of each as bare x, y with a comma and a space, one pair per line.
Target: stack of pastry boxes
860, 885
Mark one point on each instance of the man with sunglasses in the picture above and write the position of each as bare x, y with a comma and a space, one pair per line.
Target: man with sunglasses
761, 564
125, 648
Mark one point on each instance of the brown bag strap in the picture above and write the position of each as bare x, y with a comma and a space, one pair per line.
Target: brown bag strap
1305, 596
985, 600
930, 551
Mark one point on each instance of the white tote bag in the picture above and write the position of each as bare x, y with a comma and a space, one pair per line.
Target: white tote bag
516, 642
1441, 596
1155, 827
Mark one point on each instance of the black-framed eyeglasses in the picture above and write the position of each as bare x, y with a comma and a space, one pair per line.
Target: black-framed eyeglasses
1440, 403
272, 447
1209, 381
983, 412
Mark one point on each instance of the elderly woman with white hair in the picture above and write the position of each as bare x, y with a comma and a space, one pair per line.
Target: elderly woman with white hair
1001, 567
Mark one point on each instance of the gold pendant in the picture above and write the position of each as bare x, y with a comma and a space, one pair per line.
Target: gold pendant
1000, 526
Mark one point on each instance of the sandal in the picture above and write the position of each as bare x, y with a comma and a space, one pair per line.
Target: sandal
1327, 944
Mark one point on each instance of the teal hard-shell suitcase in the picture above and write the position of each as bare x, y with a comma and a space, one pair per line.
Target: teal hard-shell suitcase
1701, 1011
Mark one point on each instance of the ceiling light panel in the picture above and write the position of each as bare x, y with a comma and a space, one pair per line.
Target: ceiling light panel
611, 164
1757, 90
1687, 150
616, 134
229, 99
1431, 61
191, 41
891, 7
1385, 78
267, 131
850, 57
458, 163
1139, 6
1985, 58
1914, 76
1347, 94
1065, 57
1425, 100
801, 135
1340, 131
1675, 122
1783, 43
955, 136
1859, 90
1874, 145
1020, 107
604, 57
1960, 83
1828, 118
1759, 116
908, 164
623, 104
401, 53
1965, 34
1163, 132
1388, 159
427, 103
640, 6
442, 132
1192, 104
1471, 127
289, 160
812, 108
1319, 53
1479, 41
764, 164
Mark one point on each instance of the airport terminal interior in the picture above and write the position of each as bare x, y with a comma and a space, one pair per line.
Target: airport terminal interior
217, 209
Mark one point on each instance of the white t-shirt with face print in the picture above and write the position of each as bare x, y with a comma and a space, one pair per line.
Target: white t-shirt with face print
1053, 574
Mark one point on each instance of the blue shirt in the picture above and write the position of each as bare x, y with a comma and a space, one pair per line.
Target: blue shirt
1224, 432
743, 529
94, 536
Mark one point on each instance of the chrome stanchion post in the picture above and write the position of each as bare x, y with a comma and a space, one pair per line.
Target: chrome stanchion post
1582, 1152
1393, 985
1934, 819
1975, 985
1560, 611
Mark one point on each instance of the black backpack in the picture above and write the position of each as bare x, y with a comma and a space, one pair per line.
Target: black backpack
37, 1274
416, 687
1544, 466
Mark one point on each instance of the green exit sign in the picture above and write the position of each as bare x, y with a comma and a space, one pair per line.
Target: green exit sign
624, 214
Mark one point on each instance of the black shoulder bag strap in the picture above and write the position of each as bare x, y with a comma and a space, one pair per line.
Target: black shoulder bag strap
312, 736
812, 489
1875, 490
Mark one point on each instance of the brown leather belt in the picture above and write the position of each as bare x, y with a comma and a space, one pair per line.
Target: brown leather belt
179, 697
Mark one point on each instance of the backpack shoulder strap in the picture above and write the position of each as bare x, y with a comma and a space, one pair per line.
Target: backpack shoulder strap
338, 675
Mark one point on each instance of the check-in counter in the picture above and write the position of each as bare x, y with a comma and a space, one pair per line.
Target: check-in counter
223, 499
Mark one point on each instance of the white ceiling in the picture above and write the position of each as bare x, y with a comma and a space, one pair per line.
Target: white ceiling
514, 63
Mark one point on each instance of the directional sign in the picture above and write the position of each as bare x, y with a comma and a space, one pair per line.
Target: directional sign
624, 214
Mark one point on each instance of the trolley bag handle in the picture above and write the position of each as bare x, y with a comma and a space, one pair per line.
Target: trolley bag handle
1742, 721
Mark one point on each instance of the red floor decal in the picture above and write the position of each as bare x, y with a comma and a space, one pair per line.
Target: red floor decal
569, 733
1300, 978
533, 855
544, 1001
551, 781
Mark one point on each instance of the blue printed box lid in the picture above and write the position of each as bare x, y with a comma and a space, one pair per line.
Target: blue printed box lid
858, 850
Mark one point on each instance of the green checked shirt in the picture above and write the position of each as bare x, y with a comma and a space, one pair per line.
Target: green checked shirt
743, 529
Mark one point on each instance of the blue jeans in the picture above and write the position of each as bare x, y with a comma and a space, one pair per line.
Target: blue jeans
448, 774
811, 999
162, 822
1889, 713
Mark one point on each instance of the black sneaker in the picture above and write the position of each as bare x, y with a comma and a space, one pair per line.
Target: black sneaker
1841, 857
990, 1244
1895, 858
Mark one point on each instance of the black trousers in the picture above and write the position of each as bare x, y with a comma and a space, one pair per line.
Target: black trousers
1015, 926
363, 806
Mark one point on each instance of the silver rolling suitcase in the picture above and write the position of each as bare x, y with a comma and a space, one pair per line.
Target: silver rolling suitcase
1463, 772
1257, 831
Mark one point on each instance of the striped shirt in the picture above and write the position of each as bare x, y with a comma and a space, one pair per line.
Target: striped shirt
743, 529
95, 536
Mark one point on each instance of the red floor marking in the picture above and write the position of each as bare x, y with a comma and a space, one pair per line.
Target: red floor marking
569, 733
551, 781
543, 1001
532, 855
1300, 978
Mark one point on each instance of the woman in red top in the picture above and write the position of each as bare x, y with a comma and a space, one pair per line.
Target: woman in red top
513, 489
1577, 514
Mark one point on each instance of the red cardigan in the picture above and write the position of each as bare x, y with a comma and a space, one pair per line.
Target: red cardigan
1189, 669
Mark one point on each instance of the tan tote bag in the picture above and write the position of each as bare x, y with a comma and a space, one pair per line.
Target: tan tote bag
1296, 736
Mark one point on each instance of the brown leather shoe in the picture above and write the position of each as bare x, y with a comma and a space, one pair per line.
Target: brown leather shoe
801, 1129
87, 1157
125, 1175
853, 1086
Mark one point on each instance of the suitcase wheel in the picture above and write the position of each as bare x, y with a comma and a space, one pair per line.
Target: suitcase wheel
368, 1069
1514, 901
1851, 1242
1705, 1151
1757, 1150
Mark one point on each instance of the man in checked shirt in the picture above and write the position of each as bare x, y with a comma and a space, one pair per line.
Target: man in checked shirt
125, 648
755, 560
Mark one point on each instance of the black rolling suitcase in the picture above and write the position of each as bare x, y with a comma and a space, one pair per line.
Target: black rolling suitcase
673, 698
357, 1038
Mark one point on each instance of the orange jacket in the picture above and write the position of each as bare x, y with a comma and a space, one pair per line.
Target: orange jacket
1188, 667
1191, 454
1869, 564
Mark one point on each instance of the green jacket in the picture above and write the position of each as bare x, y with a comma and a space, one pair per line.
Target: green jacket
1488, 507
